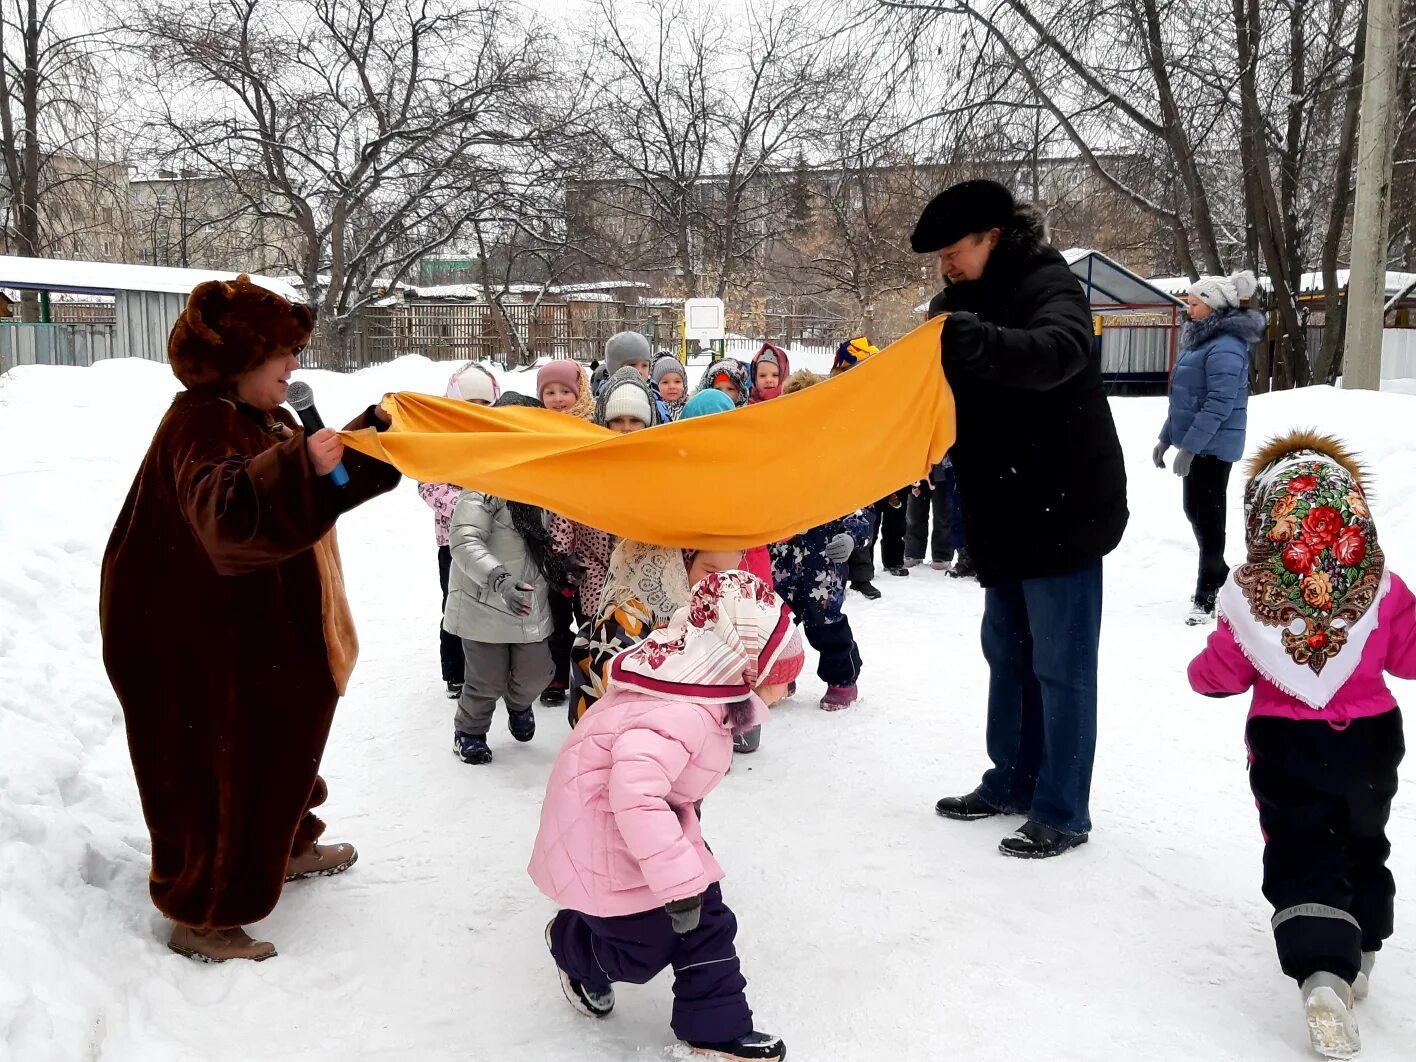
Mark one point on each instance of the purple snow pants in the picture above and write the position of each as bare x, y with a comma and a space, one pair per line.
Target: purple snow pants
710, 1003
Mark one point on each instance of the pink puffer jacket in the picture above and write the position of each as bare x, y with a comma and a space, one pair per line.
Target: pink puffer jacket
619, 834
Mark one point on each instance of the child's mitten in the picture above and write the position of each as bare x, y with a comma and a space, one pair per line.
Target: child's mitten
519, 597
684, 914
840, 548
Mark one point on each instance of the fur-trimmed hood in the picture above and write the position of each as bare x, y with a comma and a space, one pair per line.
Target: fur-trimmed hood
1298, 440
800, 381
1247, 326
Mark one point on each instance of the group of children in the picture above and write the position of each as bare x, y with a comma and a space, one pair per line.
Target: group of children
509, 623
678, 654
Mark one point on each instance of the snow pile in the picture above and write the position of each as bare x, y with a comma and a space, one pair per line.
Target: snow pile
866, 922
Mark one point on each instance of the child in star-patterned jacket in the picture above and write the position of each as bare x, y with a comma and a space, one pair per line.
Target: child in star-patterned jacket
809, 572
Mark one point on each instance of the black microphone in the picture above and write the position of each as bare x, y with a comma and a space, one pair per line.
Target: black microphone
300, 397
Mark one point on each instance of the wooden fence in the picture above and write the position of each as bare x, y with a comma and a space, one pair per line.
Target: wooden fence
466, 331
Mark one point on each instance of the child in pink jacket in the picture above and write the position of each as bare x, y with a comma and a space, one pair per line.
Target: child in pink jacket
620, 848
1310, 623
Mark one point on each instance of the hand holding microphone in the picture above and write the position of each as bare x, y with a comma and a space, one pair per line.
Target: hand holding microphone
326, 451
325, 447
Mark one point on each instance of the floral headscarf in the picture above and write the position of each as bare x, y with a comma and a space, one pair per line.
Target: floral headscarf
655, 576
735, 371
1302, 605
716, 648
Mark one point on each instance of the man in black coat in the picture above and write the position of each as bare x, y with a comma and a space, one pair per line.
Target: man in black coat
1043, 484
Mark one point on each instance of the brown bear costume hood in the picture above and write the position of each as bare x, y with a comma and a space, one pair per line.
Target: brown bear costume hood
231, 326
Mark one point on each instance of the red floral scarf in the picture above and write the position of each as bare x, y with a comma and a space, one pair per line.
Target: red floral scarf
1302, 606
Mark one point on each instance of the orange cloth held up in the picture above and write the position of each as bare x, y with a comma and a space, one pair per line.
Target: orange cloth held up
758, 474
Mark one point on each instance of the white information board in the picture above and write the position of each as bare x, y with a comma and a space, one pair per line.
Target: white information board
704, 320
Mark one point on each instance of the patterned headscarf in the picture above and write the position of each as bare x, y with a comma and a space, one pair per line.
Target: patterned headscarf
655, 576
1302, 605
735, 371
717, 648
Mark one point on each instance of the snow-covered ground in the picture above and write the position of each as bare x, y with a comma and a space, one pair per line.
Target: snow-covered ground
870, 928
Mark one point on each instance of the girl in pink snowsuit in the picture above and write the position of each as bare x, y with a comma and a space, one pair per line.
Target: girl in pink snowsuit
1310, 624
620, 848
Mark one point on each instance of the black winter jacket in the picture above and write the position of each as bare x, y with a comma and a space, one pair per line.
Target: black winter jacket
1038, 461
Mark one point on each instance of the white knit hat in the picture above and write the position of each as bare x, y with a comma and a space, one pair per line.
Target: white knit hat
1224, 293
473, 383
629, 399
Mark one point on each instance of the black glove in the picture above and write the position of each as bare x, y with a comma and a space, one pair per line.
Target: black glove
962, 341
684, 914
572, 575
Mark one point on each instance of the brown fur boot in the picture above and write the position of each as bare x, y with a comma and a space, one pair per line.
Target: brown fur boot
321, 861
219, 945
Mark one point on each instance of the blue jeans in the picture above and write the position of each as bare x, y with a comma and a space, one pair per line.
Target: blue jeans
1040, 639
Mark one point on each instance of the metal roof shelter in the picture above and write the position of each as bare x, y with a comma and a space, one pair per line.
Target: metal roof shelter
1137, 351
1110, 285
147, 300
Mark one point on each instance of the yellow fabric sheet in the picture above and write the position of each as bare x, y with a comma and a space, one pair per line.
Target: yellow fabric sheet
729, 481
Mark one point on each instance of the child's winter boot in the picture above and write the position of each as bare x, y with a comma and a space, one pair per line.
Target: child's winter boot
591, 1004
753, 1045
521, 722
1363, 984
838, 697
1327, 1004
748, 740
554, 695
471, 748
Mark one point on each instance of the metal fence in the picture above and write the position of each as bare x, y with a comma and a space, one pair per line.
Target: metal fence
24, 343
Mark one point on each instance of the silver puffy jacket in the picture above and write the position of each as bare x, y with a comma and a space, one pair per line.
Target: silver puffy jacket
483, 539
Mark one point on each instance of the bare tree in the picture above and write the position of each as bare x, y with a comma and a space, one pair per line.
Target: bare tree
380, 129
56, 183
1247, 113
697, 115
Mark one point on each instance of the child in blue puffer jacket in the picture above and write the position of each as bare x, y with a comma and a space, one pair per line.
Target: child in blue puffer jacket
1209, 409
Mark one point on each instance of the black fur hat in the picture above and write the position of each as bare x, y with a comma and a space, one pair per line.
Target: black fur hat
959, 211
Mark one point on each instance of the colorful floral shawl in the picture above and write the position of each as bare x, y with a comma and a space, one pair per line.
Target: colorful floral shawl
714, 650
1304, 604
645, 586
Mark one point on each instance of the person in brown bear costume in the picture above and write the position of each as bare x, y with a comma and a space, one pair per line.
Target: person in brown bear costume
226, 632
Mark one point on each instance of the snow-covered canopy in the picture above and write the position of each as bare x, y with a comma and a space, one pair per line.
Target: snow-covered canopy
1110, 284
108, 278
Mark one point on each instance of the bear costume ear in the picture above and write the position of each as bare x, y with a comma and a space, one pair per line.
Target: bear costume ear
204, 307
304, 315
231, 326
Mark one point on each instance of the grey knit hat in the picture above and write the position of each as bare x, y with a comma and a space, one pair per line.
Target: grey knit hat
668, 365
626, 348
1224, 293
